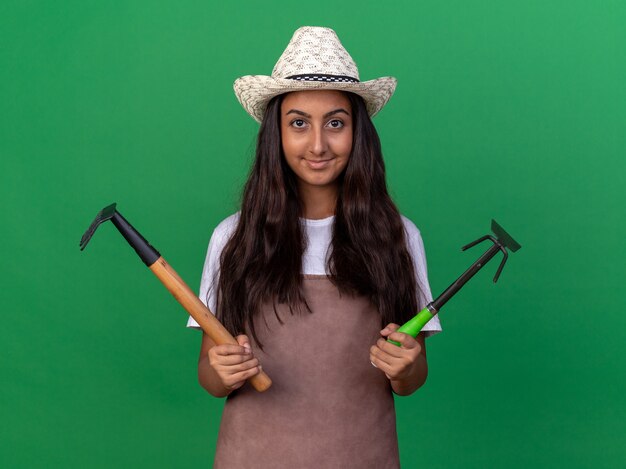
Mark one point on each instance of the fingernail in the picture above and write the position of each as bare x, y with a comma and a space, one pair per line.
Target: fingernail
373, 364
247, 347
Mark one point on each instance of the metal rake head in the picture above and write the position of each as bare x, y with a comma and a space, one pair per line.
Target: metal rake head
103, 215
146, 252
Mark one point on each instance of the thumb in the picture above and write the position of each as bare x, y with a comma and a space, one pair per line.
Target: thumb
244, 342
389, 328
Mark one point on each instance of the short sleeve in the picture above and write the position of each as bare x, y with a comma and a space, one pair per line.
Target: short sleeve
210, 272
415, 245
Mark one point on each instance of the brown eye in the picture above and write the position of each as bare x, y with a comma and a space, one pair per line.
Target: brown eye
299, 123
336, 124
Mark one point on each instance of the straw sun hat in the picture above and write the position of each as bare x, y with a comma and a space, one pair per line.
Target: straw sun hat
313, 59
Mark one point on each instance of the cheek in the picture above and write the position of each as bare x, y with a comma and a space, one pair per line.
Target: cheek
343, 145
290, 146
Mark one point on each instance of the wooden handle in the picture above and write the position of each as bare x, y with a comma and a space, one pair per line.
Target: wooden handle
209, 323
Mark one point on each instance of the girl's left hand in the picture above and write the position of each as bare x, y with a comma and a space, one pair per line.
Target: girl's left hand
397, 363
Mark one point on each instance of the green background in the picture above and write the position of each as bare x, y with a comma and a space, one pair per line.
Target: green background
507, 110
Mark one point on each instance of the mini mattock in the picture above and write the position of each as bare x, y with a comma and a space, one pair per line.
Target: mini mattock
501, 241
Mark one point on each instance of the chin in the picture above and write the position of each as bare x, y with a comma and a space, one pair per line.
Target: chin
314, 181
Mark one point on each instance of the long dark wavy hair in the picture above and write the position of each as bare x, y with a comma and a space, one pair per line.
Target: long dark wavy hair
262, 261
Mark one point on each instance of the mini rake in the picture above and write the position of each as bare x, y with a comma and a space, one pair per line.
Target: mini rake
177, 287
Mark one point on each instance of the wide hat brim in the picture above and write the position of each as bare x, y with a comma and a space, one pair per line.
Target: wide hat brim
255, 91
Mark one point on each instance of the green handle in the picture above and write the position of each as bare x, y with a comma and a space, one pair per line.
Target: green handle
414, 326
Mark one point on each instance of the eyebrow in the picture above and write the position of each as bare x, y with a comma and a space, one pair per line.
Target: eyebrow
328, 114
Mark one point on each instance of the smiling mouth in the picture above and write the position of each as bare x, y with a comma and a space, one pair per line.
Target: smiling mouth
318, 164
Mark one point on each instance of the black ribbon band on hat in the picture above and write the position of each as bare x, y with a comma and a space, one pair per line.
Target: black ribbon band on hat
323, 77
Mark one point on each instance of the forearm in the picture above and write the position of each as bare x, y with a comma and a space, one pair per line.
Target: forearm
412, 382
209, 379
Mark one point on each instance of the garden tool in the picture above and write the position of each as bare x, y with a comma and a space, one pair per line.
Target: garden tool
501, 241
177, 287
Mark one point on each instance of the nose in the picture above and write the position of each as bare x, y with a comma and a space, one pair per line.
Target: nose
319, 144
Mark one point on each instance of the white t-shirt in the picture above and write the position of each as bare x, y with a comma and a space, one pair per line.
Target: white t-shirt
319, 235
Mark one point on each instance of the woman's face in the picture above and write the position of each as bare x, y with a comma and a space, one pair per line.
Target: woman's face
316, 132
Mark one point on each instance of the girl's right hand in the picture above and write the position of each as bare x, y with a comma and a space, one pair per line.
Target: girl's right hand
234, 364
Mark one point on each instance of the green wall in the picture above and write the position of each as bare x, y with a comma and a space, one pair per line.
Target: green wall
507, 110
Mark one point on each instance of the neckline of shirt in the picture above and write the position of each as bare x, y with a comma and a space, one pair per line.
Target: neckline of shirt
318, 222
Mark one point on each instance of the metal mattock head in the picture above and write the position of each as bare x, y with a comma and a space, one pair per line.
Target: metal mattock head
503, 237
503, 240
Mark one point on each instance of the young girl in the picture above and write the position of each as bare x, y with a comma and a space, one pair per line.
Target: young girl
313, 274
